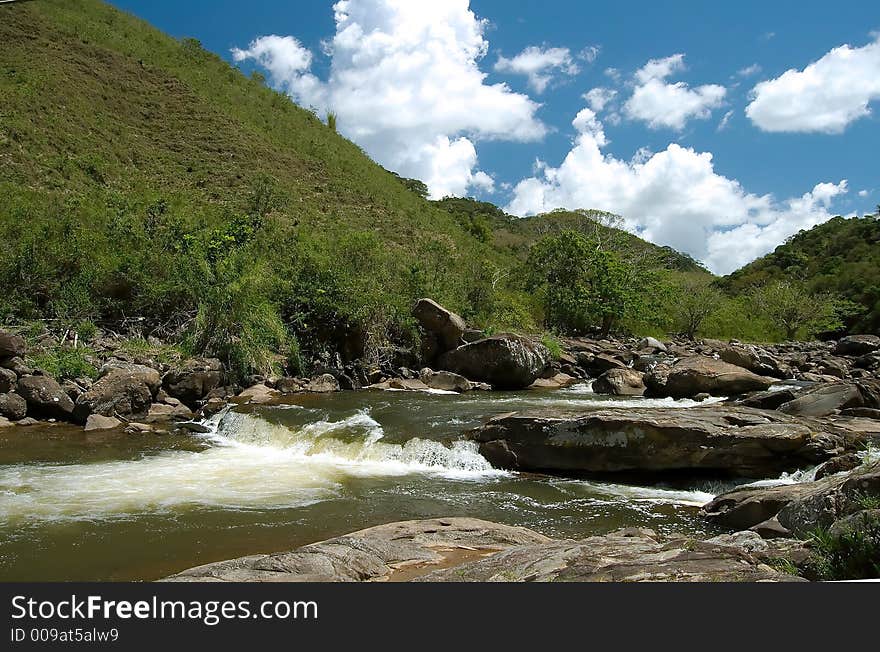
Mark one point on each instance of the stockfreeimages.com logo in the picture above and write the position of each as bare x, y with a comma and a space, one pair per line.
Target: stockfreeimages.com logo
209, 612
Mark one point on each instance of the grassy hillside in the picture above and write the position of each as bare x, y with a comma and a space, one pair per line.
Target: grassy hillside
840, 256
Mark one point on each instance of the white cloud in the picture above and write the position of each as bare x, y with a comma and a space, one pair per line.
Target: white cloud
826, 96
540, 65
598, 98
673, 197
663, 104
725, 121
406, 85
864, 193
749, 71
590, 53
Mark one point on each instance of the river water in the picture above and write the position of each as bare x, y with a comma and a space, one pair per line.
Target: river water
110, 506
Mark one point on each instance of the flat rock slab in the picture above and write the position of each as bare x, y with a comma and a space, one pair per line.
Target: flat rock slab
734, 440
472, 550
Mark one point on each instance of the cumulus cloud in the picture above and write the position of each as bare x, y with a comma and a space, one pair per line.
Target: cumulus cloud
826, 96
660, 103
673, 197
863, 193
540, 65
406, 85
598, 98
749, 71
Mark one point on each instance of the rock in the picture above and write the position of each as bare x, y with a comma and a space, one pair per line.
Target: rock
824, 400
602, 362
290, 385
323, 384
13, 406
8, 380
11, 346
444, 380
651, 343
28, 421
698, 374
192, 426
194, 380
448, 327
620, 382
135, 428
731, 440
159, 412
5, 423
145, 374
856, 345
741, 356
471, 550
45, 397
768, 400
867, 413
99, 422
258, 394
556, 381
503, 361
126, 391
863, 521
749, 506
770, 529
17, 365
839, 464
408, 384
831, 499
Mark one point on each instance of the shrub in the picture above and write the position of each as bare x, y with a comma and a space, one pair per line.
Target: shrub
848, 555
65, 362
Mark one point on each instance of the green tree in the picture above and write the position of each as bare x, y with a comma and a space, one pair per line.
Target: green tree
695, 298
794, 309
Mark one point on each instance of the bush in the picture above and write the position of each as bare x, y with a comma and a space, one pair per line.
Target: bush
553, 345
65, 362
849, 555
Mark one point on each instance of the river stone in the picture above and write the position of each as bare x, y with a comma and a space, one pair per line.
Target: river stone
503, 361
473, 550
856, 345
824, 400
8, 380
17, 365
620, 382
385, 552
448, 327
408, 384
11, 346
732, 440
444, 380
652, 343
323, 384
13, 406
748, 506
194, 379
45, 397
741, 356
698, 374
100, 422
124, 390
159, 412
258, 394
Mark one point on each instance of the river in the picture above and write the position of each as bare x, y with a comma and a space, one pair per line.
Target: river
110, 506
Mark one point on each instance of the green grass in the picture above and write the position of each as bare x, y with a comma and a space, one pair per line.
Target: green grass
66, 362
851, 554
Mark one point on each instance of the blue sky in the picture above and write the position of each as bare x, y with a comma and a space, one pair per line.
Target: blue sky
430, 115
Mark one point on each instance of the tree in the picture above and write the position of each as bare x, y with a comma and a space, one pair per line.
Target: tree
694, 299
794, 309
583, 285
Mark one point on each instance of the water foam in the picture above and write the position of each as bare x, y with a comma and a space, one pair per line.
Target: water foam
250, 463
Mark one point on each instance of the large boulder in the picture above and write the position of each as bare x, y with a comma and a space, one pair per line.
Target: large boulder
11, 346
741, 356
824, 400
13, 406
45, 397
8, 380
192, 381
857, 345
444, 380
448, 327
125, 390
472, 550
620, 382
503, 361
702, 375
732, 440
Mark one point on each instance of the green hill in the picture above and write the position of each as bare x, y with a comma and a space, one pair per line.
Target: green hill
840, 256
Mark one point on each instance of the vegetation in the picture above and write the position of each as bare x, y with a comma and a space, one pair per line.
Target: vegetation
147, 186
853, 553
793, 309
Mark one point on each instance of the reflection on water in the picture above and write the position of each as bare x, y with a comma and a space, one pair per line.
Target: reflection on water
111, 506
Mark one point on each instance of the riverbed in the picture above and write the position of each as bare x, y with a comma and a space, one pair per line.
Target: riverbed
111, 506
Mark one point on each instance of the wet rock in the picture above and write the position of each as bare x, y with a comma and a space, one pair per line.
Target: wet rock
838, 464
45, 398
11, 346
99, 422
290, 385
407, 384
620, 382
126, 390
856, 345
698, 374
448, 327
258, 394
749, 506
503, 361
13, 406
556, 381
194, 380
864, 412
472, 550
5, 423
28, 421
769, 400
160, 412
732, 440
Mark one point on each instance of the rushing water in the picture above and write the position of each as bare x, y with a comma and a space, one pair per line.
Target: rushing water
99, 506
